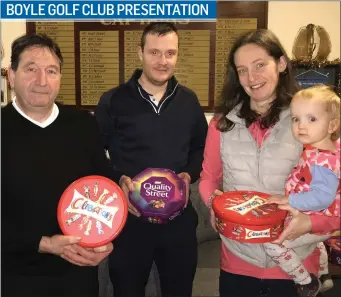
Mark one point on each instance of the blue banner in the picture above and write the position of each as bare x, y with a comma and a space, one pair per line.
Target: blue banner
108, 9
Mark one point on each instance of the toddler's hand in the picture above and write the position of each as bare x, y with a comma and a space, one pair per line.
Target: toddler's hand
278, 199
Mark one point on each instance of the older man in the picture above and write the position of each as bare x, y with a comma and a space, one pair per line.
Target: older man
45, 147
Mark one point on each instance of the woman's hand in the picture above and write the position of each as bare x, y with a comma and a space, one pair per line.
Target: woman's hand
212, 214
212, 220
299, 225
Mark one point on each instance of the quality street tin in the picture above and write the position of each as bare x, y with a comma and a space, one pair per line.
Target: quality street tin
243, 216
159, 195
93, 208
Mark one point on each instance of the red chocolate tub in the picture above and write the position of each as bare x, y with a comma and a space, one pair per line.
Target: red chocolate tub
243, 216
94, 208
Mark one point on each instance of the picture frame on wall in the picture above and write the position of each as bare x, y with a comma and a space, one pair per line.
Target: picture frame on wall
309, 75
4, 91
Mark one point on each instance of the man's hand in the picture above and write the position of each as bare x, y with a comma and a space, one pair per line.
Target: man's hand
86, 256
187, 179
212, 214
278, 199
57, 244
127, 186
299, 225
67, 248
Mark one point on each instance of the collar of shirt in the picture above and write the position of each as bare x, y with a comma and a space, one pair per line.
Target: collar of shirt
169, 91
53, 116
171, 84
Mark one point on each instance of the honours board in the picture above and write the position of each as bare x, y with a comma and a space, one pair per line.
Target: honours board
101, 55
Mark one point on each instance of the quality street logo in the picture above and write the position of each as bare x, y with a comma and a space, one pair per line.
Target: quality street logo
87, 207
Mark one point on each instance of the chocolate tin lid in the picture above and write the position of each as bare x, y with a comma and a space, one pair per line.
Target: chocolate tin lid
158, 192
247, 207
93, 208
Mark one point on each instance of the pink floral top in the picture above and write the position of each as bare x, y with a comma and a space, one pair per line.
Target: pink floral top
301, 177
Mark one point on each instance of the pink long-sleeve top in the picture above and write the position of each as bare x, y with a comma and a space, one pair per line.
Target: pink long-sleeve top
211, 178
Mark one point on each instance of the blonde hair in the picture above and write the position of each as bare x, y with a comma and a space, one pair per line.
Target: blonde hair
328, 97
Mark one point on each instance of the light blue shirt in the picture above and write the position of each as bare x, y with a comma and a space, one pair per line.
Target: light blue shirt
323, 188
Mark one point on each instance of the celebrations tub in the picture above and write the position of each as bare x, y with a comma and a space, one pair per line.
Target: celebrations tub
243, 216
93, 208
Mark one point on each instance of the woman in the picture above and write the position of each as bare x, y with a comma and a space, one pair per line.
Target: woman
250, 146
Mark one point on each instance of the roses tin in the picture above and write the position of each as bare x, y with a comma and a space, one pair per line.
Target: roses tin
94, 208
243, 216
159, 195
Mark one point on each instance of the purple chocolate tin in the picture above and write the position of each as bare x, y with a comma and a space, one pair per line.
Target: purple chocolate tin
159, 195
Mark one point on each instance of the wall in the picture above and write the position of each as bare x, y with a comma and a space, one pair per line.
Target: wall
284, 19
10, 30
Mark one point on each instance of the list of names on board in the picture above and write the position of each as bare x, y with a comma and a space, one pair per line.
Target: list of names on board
63, 34
98, 57
132, 61
99, 64
227, 31
193, 62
